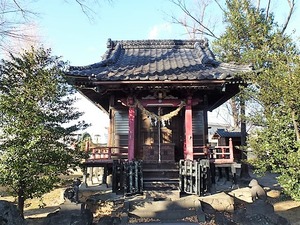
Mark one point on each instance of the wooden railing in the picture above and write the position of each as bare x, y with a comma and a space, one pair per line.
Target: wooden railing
102, 153
109, 152
216, 154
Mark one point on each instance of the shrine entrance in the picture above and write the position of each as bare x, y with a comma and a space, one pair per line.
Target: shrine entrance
161, 135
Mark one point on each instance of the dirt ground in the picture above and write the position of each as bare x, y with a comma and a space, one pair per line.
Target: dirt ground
37, 209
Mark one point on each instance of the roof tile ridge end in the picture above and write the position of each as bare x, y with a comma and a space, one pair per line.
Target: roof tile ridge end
205, 54
109, 45
112, 53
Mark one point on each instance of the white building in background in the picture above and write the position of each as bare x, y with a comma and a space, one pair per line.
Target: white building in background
100, 138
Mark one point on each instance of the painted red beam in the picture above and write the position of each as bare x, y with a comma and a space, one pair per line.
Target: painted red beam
162, 102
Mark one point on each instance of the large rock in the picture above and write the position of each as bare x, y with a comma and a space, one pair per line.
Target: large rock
69, 218
9, 214
243, 194
259, 213
220, 202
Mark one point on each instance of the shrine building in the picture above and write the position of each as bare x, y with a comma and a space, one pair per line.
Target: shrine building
157, 94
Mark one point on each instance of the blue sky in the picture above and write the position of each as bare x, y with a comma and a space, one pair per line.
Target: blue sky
70, 33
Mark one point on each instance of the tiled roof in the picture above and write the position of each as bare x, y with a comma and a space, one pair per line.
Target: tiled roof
158, 60
227, 134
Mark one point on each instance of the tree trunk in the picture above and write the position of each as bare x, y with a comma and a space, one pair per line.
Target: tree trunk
243, 126
296, 127
245, 168
235, 113
21, 201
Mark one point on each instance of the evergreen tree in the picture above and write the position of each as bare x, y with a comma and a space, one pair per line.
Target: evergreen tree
277, 142
253, 37
36, 122
248, 30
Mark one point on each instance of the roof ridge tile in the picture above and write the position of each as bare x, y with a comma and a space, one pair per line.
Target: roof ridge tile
156, 43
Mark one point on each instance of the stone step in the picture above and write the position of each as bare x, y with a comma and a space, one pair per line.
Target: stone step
161, 185
160, 170
184, 203
168, 215
167, 210
160, 166
160, 176
155, 195
161, 173
161, 179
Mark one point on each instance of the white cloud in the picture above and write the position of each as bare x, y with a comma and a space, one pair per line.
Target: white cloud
160, 31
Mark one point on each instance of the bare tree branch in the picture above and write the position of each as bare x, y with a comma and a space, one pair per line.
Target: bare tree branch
15, 14
202, 28
258, 5
88, 11
14, 21
218, 3
292, 7
268, 9
191, 30
185, 25
20, 8
24, 12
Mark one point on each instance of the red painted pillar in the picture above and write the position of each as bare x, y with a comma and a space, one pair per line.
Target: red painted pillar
188, 130
131, 133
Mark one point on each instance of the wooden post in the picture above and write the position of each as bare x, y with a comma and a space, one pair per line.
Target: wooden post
231, 149
188, 130
87, 145
131, 133
111, 128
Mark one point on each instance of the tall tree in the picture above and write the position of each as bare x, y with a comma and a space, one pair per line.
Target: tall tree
277, 143
247, 30
253, 36
37, 122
